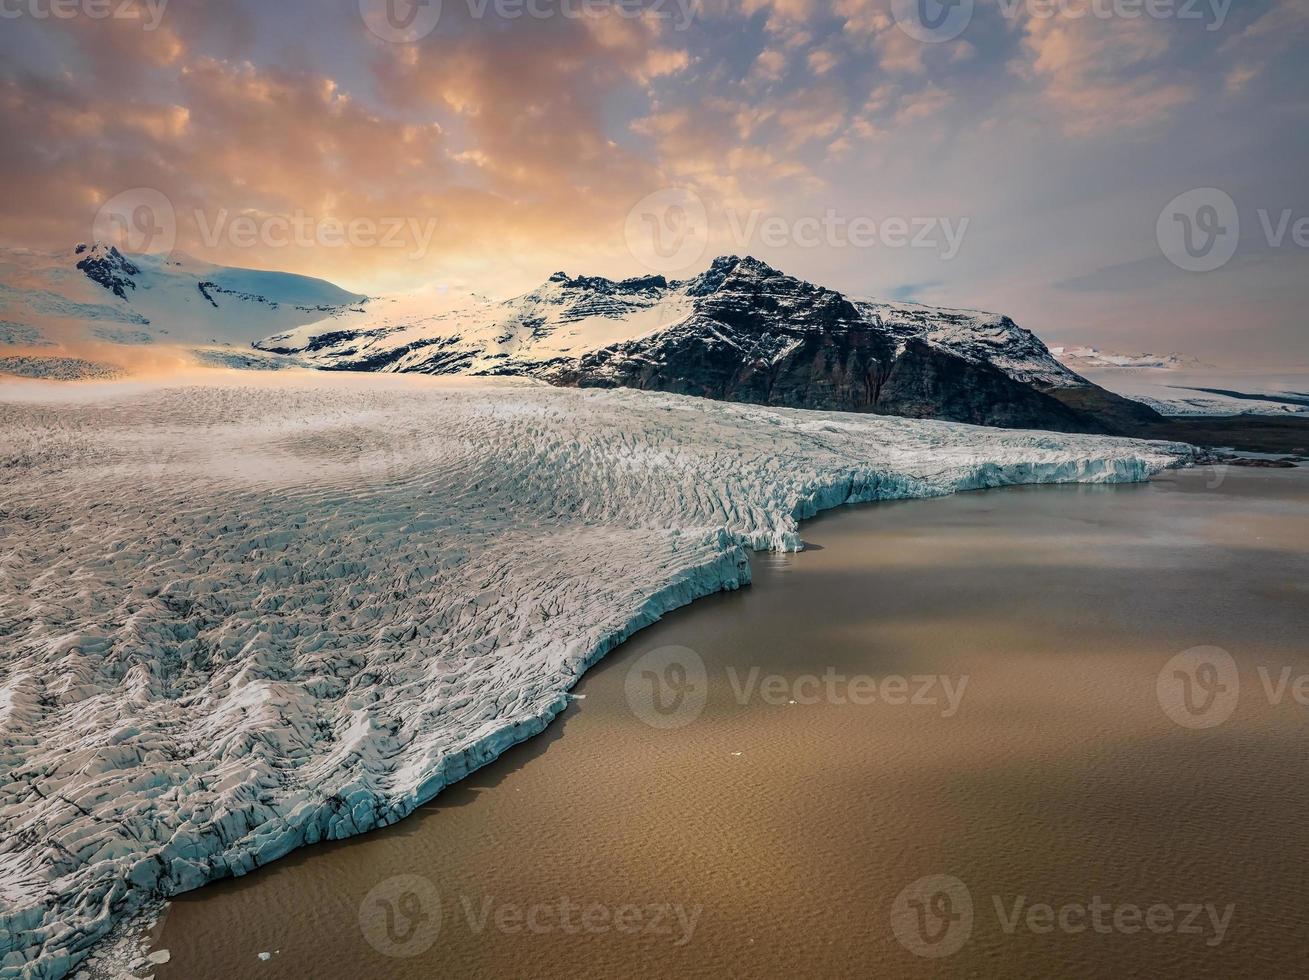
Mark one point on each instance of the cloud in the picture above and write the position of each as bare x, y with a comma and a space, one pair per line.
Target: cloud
498, 137
889, 106
923, 104
782, 14
822, 60
864, 18
526, 140
1099, 74
1284, 25
898, 52
733, 151
872, 23
814, 113
529, 97
768, 66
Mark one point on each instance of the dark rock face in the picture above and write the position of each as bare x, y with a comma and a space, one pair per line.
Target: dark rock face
743, 331
204, 288
927, 382
1115, 414
105, 265
769, 339
856, 371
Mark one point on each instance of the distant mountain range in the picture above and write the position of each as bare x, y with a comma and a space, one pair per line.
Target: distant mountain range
93, 292
1090, 358
740, 331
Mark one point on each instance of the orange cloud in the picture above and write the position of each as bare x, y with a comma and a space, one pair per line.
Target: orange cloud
1279, 28
1097, 74
496, 139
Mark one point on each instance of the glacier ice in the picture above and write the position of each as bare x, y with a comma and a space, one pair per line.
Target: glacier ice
238, 618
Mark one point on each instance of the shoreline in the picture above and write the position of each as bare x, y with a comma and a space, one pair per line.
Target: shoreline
675, 596
723, 571
620, 772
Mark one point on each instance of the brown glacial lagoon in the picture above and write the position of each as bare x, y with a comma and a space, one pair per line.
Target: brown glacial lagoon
1033, 732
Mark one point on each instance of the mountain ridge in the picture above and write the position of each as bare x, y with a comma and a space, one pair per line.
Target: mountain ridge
587, 331
93, 290
739, 331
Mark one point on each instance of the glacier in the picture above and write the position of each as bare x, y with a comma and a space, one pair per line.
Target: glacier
242, 616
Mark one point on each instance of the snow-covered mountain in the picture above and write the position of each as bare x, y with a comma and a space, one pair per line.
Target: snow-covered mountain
95, 293
1090, 358
740, 331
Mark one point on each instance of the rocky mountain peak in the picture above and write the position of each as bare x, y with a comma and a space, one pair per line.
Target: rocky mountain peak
104, 264
599, 284
741, 331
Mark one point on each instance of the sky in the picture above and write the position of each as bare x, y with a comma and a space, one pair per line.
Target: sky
1124, 173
